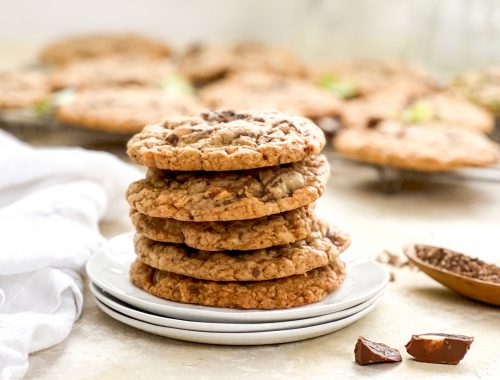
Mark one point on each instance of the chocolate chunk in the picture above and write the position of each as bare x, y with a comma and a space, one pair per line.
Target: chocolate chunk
439, 348
368, 352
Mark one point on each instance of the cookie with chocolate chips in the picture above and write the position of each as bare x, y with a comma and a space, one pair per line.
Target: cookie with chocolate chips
252, 90
78, 48
226, 140
282, 293
235, 195
323, 244
125, 110
421, 147
22, 88
277, 229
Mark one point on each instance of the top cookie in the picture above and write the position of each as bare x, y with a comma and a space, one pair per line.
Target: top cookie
226, 140
77, 48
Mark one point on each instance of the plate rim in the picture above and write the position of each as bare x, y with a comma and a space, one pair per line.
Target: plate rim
211, 326
288, 337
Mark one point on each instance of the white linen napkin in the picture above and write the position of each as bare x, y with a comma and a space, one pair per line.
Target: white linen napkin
51, 201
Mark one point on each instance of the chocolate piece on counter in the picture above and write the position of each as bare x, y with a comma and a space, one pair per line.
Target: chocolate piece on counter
368, 352
439, 348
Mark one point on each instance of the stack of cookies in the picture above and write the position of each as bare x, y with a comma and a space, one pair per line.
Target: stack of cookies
225, 216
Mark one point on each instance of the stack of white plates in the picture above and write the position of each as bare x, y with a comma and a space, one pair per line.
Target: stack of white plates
116, 296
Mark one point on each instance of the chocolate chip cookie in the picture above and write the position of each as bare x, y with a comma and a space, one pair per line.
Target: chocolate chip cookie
250, 90
323, 244
203, 63
226, 140
125, 110
481, 86
22, 88
112, 71
438, 107
90, 46
421, 147
360, 77
277, 229
282, 293
224, 196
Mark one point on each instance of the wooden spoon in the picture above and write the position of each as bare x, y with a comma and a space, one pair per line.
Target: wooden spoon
487, 292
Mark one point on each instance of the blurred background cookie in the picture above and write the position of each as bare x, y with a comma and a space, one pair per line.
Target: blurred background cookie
83, 47
124, 110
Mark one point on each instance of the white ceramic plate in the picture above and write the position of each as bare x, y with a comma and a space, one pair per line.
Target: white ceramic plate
129, 311
109, 268
239, 338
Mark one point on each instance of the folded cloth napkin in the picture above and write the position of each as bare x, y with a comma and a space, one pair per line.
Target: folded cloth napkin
51, 201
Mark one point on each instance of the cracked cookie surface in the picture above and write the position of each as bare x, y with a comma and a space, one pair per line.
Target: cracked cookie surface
277, 229
223, 196
226, 140
297, 290
318, 249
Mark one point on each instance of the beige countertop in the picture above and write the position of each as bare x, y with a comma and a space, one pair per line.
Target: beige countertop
463, 216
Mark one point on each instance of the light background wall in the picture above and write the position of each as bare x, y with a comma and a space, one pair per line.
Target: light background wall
444, 34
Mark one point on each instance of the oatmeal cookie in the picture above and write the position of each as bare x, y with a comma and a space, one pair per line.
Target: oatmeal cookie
277, 229
250, 90
77, 48
236, 195
22, 88
282, 293
112, 71
421, 147
352, 78
481, 86
318, 249
226, 140
205, 63
125, 110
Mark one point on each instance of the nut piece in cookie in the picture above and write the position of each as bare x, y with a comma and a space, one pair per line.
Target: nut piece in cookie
226, 140
125, 110
251, 90
234, 195
321, 247
77, 48
282, 293
420, 147
22, 88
